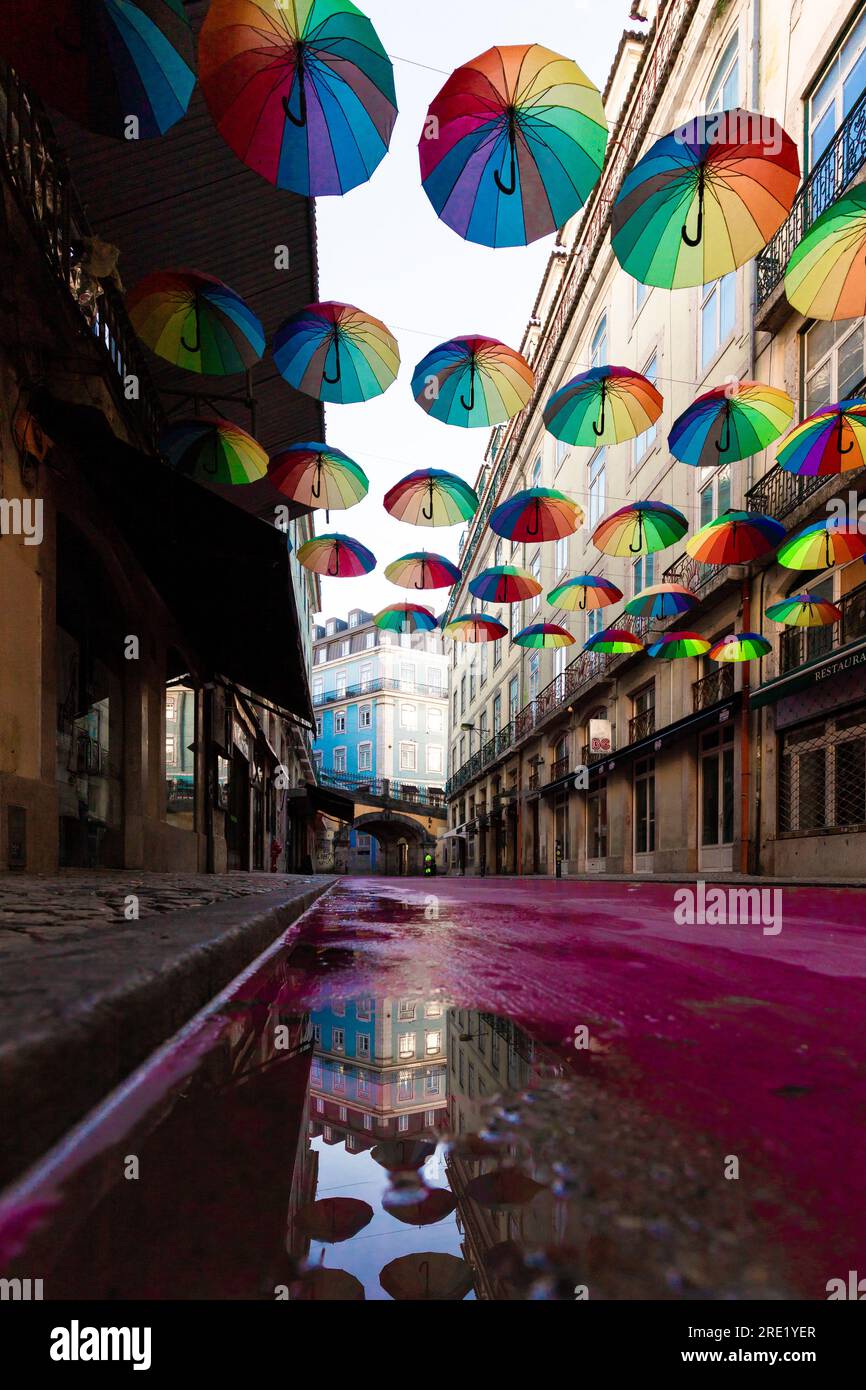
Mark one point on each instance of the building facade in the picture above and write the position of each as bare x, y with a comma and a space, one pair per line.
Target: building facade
697, 767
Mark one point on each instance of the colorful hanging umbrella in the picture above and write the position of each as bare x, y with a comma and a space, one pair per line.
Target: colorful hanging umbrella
475, 627
405, 617
431, 497
301, 90
336, 353
318, 475
536, 514
805, 610
512, 145
661, 601
195, 322
614, 641
473, 382
605, 405
333, 1219
672, 646
402, 1155
705, 199
328, 1286
583, 593
822, 545
122, 69
725, 425
740, 646
639, 528
213, 451
422, 570
544, 635
833, 440
504, 584
427, 1275
338, 557
419, 1205
735, 538
826, 275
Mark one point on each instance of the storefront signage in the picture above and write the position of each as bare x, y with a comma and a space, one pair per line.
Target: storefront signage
600, 740
845, 663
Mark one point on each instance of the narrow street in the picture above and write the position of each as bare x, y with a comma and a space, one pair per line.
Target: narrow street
419, 1049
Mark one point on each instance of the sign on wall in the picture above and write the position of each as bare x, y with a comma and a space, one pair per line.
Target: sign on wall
600, 736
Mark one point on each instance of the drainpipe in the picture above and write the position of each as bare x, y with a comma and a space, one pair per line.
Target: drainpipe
745, 741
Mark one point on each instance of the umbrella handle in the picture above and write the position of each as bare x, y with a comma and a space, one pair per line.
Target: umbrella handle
301, 119
635, 549
509, 188
699, 231
334, 573
529, 531
190, 347
582, 604
428, 516
332, 380
423, 571
598, 425
316, 490
722, 448
850, 444
425, 1265
470, 404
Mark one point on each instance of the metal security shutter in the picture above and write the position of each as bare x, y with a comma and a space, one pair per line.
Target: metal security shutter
822, 775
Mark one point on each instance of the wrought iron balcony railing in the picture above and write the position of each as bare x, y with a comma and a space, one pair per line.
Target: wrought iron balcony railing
718, 685
383, 788
779, 492
370, 687
798, 645
642, 725
559, 768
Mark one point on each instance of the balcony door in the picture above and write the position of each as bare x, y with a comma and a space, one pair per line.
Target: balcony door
716, 821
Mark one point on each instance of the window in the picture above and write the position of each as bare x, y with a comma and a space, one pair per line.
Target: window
405, 1090
644, 700
434, 680
454, 707
646, 440
723, 93
338, 1040
364, 1007
341, 683
362, 1045
408, 716
317, 1034
513, 698
822, 775
463, 694
434, 758
560, 556
472, 680
408, 757
534, 668
482, 729
433, 1009
598, 350
462, 749
340, 722
715, 496
642, 573
318, 728
318, 688
354, 618
432, 1042
365, 716
366, 676
339, 760
499, 552
835, 96
497, 714
718, 314
482, 665
561, 454
406, 1011
596, 487
834, 362
596, 822
497, 651
535, 571
171, 749
406, 1045
407, 675
434, 720
640, 295
536, 472
365, 757
645, 806
560, 660
370, 638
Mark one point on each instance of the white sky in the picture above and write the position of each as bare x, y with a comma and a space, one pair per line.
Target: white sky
383, 248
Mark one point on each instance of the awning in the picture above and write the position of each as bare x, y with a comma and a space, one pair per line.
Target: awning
656, 742
837, 663
224, 576
316, 798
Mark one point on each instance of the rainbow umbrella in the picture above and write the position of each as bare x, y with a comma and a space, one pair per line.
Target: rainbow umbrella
805, 610
475, 627
544, 635
833, 440
705, 199
431, 497
336, 353
405, 617
338, 557
724, 424
301, 90
422, 570
195, 322
536, 514
740, 646
671, 646
105, 63
826, 275
605, 405
735, 538
472, 382
584, 592
613, 641
639, 528
822, 545
317, 475
213, 451
504, 584
661, 601
513, 145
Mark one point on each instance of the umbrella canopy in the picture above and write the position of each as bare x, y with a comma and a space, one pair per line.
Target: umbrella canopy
338, 557
705, 199
427, 1275
301, 90
421, 569
105, 63
327, 1285
504, 1187
605, 405
336, 353
734, 538
583, 593
513, 145
740, 646
822, 545
195, 322
213, 451
639, 528
473, 382
614, 641
833, 440
672, 646
405, 617
504, 584
826, 275
804, 610
536, 514
475, 627
318, 475
419, 1205
544, 635
334, 1218
431, 497
725, 425
661, 601
400, 1155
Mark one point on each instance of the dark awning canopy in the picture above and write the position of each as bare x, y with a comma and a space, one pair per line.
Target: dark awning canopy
836, 664
224, 575
656, 742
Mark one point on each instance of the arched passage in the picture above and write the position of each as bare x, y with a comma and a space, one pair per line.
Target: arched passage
403, 842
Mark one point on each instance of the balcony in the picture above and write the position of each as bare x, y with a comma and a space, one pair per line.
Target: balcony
371, 687
383, 789
717, 686
779, 492
588, 757
838, 166
560, 768
642, 725
800, 645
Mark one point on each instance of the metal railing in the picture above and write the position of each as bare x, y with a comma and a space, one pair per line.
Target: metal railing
642, 725
778, 492
384, 788
588, 756
799, 645
718, 685
559, 768
838, 165
370, 687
